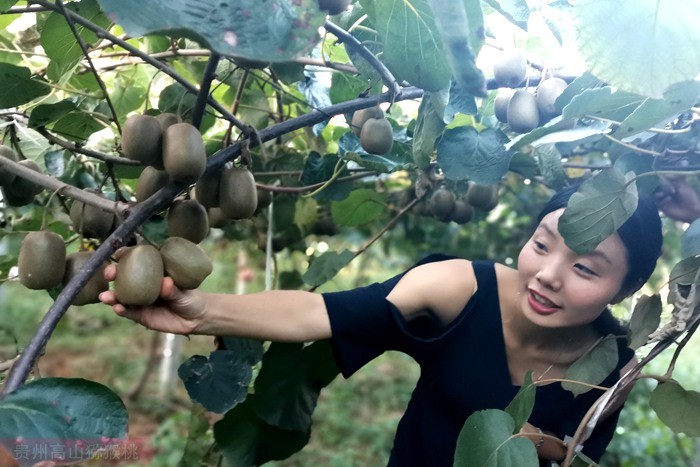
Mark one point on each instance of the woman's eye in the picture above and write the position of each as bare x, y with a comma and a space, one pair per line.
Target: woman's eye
539, 245
585, 270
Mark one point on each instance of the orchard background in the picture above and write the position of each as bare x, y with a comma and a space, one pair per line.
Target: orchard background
272, 87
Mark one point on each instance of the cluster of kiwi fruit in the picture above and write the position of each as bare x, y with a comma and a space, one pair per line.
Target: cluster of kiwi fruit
43, 265
17, 191
447, 205
375, 132
522, 110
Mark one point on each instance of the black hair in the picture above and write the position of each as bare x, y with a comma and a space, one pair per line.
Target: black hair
641, 234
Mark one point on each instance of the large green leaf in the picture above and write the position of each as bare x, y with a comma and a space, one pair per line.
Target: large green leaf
246, 440
77, 126
59, 43
44, 114
464, 153
593, 367
429, 127
218, 382
360, 208
677, 98
17, 86
290, 381
641, 46
677, 407
602, 103
516, 11
6, 5
600, 207
273, 30
520, 408
487, 440
326, 266
61, 410
645, 319
412, 44
130, 89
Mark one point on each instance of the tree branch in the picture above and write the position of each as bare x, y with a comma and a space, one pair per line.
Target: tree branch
86, 53
245, 129
204, 87
87, 152
156, 203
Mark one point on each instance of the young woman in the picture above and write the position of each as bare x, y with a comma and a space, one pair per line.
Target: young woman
475, 327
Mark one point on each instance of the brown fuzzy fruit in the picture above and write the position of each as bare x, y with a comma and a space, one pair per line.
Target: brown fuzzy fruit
186, 263
142, 140
184, 155
42, 260
377, 136
166, 119
462, 211
361, 116
188, 219
333, 7
6, 177
206, 190
522, 113
89, 220
546, 96
217, 220
510, 68
441, 204
482, 196
94, 286
238, 195
150, 181
500, 104
139, 276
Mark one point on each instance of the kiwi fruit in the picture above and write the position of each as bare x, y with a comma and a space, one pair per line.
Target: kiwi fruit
333, 7
186, 263
206, 190
361, 116
377, 136
42, 260
6, 177
441, 204
217, 219
510, 68
166, 119
89, 220
484, 197
546, 96
139, 276
238, 195
184, 155
462, 211
150, 181
94, 286
500, 104
264, 200
22, 185
522, 112
142, 137
188, 219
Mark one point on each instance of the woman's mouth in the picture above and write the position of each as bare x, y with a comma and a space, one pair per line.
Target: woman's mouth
541, 304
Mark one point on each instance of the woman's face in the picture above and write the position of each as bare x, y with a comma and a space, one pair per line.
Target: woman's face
559, 288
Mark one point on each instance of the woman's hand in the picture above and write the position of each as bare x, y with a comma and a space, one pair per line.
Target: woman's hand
677, 199
176, 311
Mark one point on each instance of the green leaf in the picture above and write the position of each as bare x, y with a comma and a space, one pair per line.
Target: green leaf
486, 441
130, 89
289, 72
690, 242
246, 441
62, 409
551, 166
320, 169
250, 350
464, 153
326, 266
6, 5
585, 81
77, 126
515, 11
600, 207
645, 319
602, 103
677, 408
520, 408
59, 43
569, 135
218, 382
274, 30
17, 86
412, 49
360, 208
305, 213
657, 41
429, 127
44, 114
349, 147
677, 98
593, 367
685, 271
639, 164
290, 381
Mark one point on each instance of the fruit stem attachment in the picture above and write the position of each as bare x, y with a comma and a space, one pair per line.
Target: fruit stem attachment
337, 170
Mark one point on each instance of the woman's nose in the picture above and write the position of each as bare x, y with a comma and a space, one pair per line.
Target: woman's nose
549, 275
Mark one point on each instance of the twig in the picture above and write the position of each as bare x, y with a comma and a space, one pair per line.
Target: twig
155, 63
315, 186
7, 364
352, 42
632, 146
87, 152
86, 53
660, 131
680, 347
204, 87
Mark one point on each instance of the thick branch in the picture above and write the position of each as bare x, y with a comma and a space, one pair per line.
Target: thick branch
155, 63
204, 87
156, 203
88, 152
